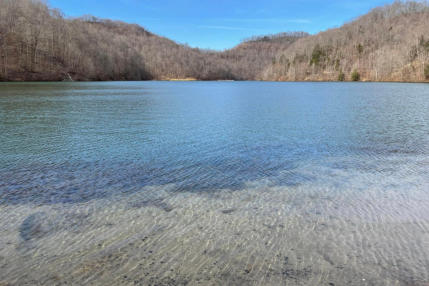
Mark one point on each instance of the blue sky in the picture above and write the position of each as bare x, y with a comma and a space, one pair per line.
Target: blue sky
221, 24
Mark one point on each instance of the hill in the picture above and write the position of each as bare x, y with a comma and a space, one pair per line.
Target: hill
390, 43
247, 60
37, 42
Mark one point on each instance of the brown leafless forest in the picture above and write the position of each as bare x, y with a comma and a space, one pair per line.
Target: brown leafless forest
39, 43
390, 43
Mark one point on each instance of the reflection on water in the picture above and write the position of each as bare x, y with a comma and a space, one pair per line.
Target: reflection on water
214, 183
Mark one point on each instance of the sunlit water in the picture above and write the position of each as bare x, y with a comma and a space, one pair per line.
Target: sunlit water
214, 183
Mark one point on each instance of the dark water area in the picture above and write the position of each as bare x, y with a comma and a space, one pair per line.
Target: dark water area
77, 140
283, 183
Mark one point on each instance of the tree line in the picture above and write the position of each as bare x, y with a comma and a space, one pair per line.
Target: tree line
390, 43
38, 42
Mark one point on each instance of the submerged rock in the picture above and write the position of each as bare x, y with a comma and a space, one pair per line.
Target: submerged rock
35, 226
40, 224
228, 211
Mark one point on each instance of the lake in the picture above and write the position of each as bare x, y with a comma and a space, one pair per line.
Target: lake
219, 183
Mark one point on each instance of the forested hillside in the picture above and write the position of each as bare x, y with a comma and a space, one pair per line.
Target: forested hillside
247, 60
39, 43
390, 43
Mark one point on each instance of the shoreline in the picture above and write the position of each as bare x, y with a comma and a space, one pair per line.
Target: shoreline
221, 80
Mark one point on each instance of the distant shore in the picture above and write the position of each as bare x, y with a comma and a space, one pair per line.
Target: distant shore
220, 80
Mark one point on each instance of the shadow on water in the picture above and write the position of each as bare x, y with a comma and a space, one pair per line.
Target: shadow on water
82, 182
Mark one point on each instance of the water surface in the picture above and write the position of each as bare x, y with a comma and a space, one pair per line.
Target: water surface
239, 183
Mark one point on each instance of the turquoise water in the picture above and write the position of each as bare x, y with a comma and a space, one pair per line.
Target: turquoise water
214, 182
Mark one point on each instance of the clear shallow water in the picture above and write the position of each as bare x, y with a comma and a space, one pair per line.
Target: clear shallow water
214, 183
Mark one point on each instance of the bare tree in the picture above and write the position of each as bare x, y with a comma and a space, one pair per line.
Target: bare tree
39, 43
